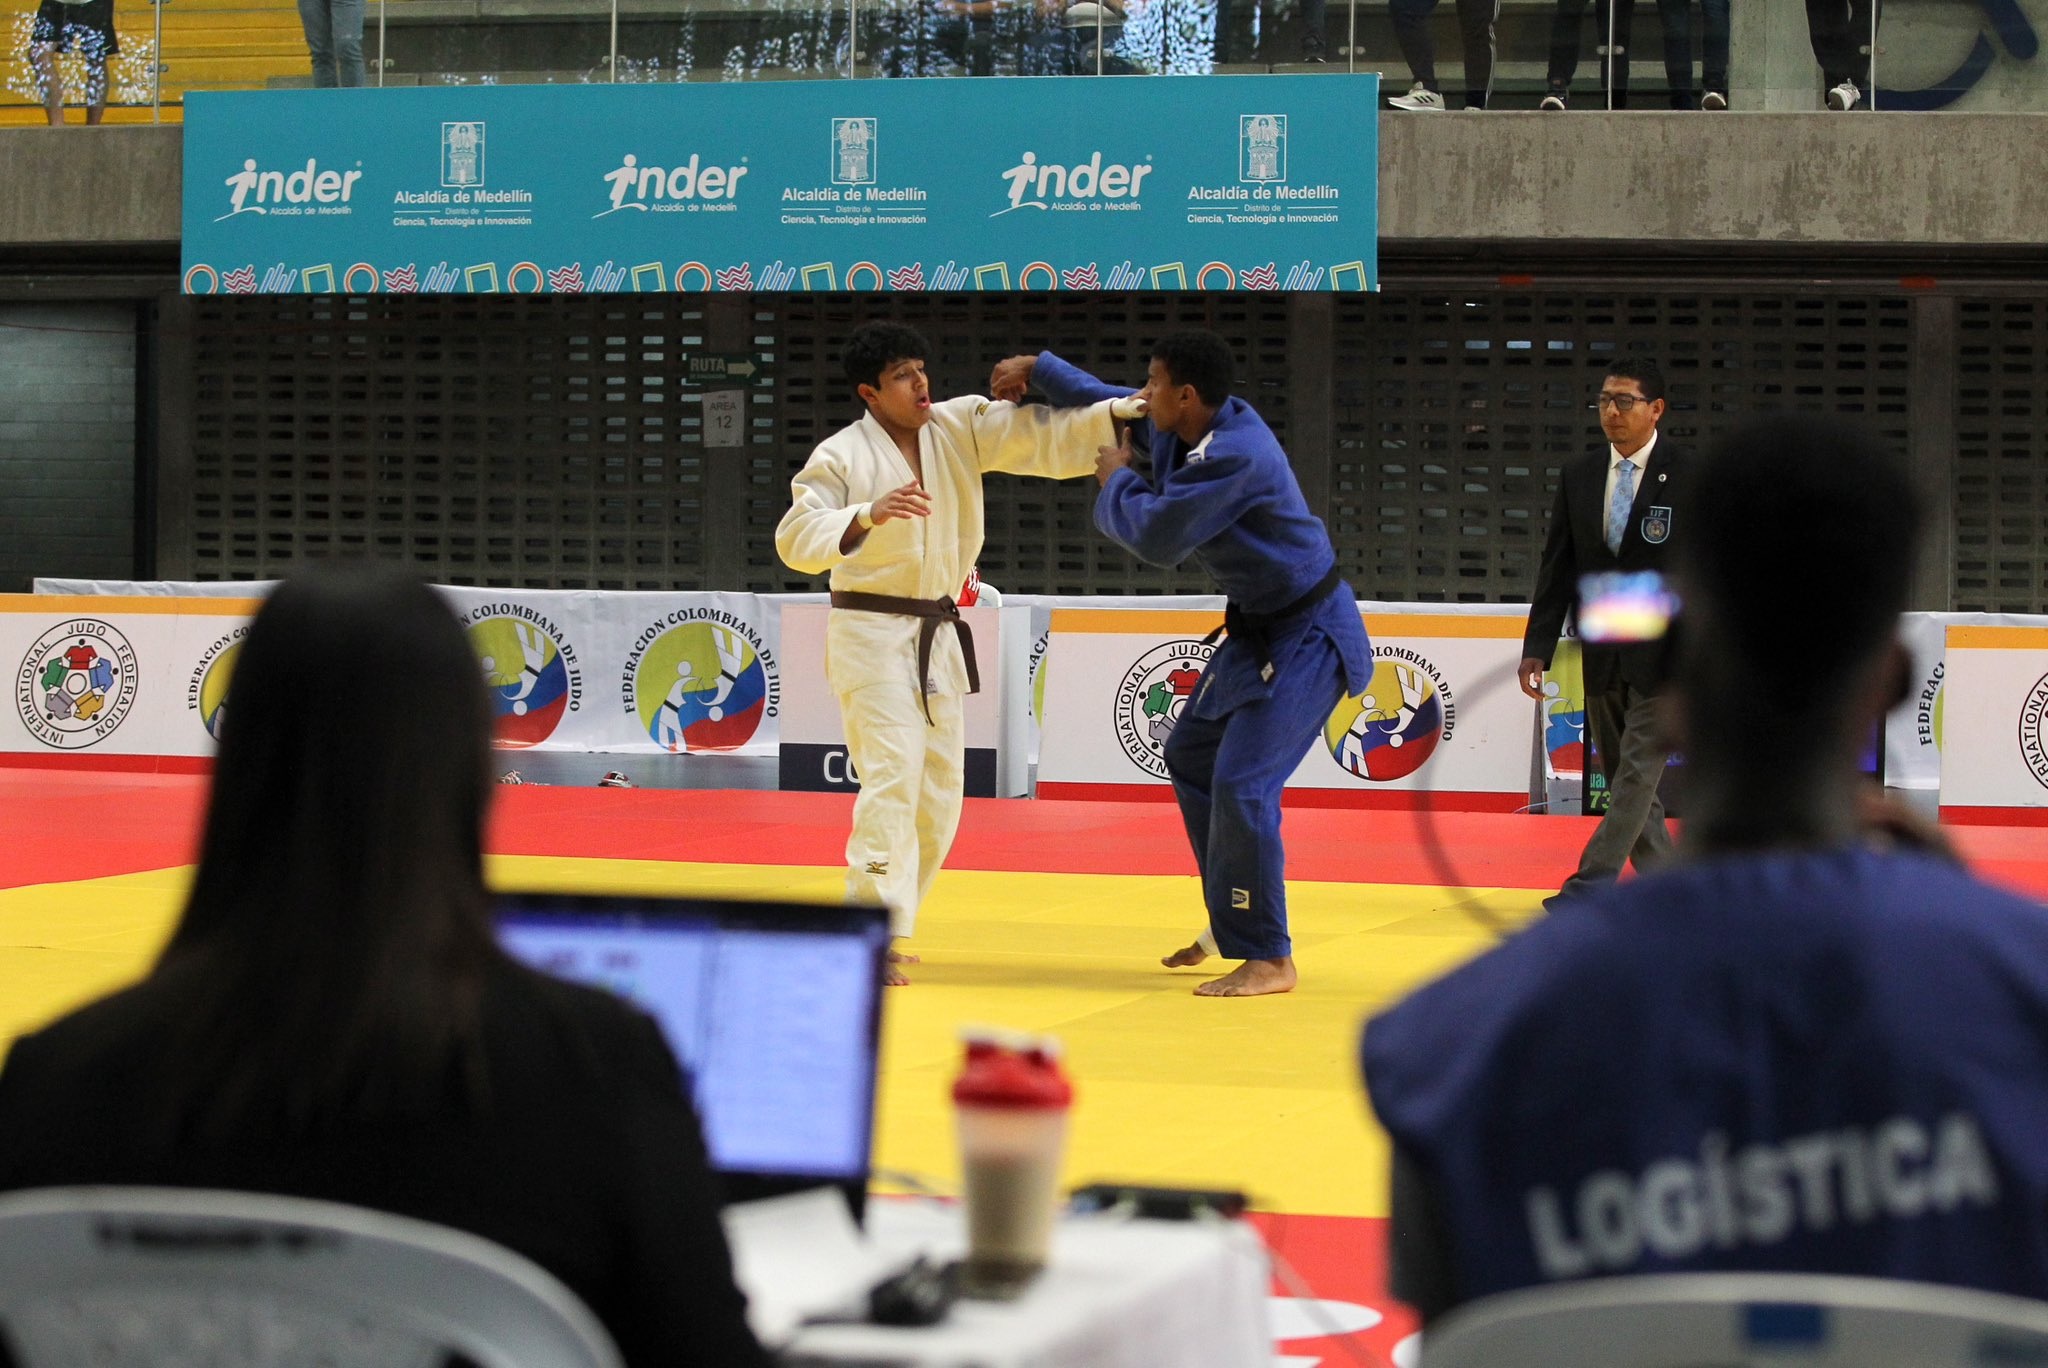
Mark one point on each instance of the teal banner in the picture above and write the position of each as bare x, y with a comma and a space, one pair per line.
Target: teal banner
1047, 183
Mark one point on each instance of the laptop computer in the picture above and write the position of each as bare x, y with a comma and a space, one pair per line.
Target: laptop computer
773, 1008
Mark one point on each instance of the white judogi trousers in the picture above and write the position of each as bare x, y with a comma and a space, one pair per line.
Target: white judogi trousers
912, 773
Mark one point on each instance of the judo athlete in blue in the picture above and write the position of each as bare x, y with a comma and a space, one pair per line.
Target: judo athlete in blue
1812, 1043
1221, 492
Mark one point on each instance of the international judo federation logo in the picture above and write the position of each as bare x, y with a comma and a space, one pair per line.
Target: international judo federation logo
1389, 731
703, 684
2034, 731
207, 693
854, 145
462, 156
1152, 696
1261, 148
76, 684
530, 670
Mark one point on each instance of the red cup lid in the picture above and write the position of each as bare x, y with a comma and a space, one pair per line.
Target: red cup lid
998, 1076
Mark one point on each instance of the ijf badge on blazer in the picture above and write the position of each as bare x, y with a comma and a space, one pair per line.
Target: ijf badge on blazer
1657, 525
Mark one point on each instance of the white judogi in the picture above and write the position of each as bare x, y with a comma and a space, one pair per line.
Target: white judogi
912, 772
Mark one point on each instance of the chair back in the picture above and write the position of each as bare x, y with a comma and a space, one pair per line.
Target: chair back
131, 1277
1734, 1320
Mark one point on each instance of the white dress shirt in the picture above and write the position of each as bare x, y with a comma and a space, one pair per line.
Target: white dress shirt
1641, 461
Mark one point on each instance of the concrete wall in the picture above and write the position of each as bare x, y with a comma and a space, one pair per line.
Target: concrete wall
67, 442
1588, 182
78, 187
1664, 181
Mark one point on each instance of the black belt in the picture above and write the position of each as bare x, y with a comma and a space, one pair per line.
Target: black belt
1253, 628
934, 612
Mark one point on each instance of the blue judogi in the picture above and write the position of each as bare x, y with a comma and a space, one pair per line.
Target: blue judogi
1824, 1061
1232, 504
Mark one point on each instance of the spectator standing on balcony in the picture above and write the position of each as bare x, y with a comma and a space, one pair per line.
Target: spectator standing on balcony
1613, 24
1842, 32
334, 38
1476, 19
84, 27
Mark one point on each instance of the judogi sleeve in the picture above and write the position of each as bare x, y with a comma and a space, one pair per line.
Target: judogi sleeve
1192, 505
1036, 440
1066, 385
808, 536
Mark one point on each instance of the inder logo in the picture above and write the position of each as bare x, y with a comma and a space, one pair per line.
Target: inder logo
664, 189
1032, 184
253, 190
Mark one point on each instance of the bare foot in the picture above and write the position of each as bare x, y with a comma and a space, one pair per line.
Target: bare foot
893, 976
1186, 956
1253, 978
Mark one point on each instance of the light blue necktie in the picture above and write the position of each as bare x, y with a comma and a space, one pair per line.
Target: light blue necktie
1618, 507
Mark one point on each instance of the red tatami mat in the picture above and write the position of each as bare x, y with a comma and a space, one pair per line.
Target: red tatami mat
68, 825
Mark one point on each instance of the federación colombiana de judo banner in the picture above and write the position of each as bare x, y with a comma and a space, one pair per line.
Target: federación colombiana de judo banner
1050, 183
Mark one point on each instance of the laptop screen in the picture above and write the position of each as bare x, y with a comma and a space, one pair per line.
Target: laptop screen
773, 1008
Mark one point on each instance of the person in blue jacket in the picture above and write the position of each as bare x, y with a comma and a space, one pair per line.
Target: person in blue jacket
1221, 492
1813, 1043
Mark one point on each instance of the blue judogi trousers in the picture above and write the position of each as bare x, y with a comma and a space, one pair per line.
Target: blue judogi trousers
1228, 772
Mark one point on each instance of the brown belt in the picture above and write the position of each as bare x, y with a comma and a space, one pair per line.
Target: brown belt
934, 612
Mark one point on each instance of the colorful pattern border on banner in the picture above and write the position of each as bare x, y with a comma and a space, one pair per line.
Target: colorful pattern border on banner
1048, 184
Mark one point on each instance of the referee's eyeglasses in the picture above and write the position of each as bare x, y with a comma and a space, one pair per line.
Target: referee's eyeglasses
1620, 403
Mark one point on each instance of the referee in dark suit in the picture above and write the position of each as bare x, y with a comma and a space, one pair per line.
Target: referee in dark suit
1617, 509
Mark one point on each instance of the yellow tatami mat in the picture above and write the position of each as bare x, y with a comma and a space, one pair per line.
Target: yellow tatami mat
1261, 1094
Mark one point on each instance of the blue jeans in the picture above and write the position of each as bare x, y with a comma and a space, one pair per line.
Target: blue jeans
334, 38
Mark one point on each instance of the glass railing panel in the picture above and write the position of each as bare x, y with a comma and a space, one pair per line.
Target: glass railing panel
489, 42
733, 40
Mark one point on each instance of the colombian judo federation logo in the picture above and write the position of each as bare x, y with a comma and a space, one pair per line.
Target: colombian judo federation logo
1564, 710
1261, 148
701, 680
76, 684
1151, 697
2034, 731
207, 693
530, 668
1390, 731
1927, 708
1038, 663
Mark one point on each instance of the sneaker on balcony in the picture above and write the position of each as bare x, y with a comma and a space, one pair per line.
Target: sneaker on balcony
1554, 100
1419, 99
1713, 100
1845, 96
1312, 47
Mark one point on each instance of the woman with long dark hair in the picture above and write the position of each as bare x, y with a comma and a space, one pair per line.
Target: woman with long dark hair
332, 1017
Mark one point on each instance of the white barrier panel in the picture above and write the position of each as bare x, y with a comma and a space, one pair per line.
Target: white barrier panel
626, 673
1441, 721
1913, 730
616, 673
117, 676
813, 749
1995, 761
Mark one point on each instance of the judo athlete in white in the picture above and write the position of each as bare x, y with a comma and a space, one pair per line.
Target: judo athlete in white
891, 506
